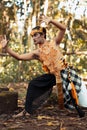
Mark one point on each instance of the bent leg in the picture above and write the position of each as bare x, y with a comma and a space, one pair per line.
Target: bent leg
38, 87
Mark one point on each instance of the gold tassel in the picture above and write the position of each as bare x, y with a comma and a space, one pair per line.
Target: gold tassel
60, 96
73, 91
60, 91
45, 68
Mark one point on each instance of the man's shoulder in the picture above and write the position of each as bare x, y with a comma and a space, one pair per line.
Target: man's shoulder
53, 43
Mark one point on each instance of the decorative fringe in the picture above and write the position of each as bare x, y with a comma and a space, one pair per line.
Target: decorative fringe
73, 91
60, 95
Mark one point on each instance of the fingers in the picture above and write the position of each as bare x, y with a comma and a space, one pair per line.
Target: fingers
5, 37
43, 17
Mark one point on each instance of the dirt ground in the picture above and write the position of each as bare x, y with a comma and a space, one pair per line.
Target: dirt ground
47, 117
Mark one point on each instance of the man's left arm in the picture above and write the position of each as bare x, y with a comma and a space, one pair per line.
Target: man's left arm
60, 26
62, 29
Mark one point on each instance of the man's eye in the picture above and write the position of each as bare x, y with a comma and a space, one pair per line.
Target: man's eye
35, 34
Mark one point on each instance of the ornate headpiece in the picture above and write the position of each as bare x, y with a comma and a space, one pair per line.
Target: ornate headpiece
40, 30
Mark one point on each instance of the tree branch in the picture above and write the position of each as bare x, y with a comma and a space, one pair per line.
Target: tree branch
76, 53
65, 53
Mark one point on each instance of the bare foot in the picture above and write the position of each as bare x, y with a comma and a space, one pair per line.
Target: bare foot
21, 114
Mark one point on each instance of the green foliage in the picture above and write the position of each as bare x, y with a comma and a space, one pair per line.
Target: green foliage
12, 70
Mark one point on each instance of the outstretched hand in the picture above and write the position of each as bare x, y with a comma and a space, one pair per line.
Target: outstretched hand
3, 42
45, 19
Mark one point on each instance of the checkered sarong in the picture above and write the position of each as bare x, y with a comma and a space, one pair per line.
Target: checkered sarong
75, 79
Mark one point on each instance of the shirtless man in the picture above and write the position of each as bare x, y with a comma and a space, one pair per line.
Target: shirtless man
53, 62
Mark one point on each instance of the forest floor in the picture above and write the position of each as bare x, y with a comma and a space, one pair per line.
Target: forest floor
47, 117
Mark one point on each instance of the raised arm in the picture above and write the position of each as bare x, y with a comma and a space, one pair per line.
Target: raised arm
27, 56
61, 32
59, 25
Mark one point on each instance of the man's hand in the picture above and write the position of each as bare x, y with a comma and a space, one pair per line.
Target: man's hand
45, 19
3, 42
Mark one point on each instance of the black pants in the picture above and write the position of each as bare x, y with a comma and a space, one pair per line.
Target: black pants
38, 87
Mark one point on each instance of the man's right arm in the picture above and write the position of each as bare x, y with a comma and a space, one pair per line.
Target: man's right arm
27, 56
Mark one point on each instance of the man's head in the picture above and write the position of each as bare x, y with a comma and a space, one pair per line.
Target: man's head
38, 29
38, 34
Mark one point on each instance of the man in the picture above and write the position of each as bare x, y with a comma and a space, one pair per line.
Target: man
53, 62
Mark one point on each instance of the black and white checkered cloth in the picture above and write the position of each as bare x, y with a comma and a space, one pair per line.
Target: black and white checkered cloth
74, 78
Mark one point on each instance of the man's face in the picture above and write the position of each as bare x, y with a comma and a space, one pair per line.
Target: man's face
37, 37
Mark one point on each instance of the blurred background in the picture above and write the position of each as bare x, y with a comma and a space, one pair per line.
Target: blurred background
18, 17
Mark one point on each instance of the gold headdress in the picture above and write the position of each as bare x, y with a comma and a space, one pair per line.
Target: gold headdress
40, 30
